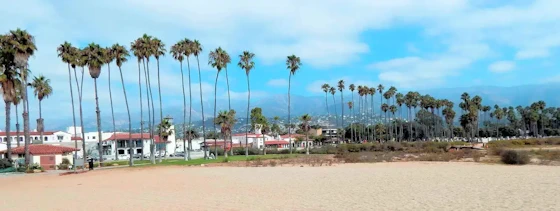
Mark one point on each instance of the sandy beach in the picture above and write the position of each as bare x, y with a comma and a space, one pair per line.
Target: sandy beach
381, 186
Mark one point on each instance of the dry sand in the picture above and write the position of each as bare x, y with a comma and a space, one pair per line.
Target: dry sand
382, 186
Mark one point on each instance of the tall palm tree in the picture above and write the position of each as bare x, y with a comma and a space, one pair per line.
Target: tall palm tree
66, 52
293, 64
109, 58
246, 63
16, 102
95, 59
188, 51
332, 90
341, 89
178, 52
400, 102
408, 101
393, 110
42, 89
8, 82
360, 97
196, 48
350, 107
326, 88
137, 49
147, 49
371, 92
158, 50
380, 89
305, 119
217, 59
121, 54
385, 108
449, 116
79, 59
352, 87
23, 46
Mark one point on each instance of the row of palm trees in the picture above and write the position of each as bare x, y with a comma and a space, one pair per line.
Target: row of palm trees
15, 49
431, 110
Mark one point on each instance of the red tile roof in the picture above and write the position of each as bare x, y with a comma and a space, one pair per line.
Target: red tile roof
250, 135
42, 149
125, 136
12, 133
76, 138
221, 144
276, 142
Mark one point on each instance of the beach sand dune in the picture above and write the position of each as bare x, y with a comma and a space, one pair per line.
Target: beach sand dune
381, 186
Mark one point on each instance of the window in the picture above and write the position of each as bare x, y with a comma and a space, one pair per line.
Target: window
59, 138
20, 139
46, 138
121, 151
93, 137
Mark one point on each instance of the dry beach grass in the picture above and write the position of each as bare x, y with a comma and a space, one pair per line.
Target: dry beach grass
379, 186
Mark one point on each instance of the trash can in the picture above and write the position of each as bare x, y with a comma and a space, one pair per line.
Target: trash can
90, 163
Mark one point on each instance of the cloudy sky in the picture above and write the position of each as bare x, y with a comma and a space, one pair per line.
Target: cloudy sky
410, 44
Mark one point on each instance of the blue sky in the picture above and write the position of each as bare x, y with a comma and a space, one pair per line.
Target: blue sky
410, 44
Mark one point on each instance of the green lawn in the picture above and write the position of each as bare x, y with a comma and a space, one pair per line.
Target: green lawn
203, 161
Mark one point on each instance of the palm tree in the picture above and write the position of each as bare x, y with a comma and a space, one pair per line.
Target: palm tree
23, 45
79, 58
42, 90
246, 63
305, 119
196, 48
165, 130
449, 116
66, 52
109, 59
148, 50
226, 120
380, 89
95, 59
350, 107
120, 53
217, 60
385, 108
17, 100
352, 87
187, 46
158, 50
400, 102
137, 49
393, 109
332, 90
293, 64
178, 52
409, 101
341, 89
326, 88
8, 82
371, 92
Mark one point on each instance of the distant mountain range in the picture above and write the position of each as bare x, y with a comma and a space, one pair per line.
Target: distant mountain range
277, 105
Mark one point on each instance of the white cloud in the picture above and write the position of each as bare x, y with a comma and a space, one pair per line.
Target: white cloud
501, 66
532, 53
278, 82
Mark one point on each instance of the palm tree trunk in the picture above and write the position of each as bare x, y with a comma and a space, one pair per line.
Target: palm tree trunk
113, 112
361, 116
79, 87
342, 112
372, 119
351, 123
189, 137
247, 118
185, 157
98, 113
150, 111
307, 142
202, 109
17, 126
327, 104
131, 161
229, 108
289, 119
215, 100
73, 118
160, 112
8, 138
41, 139
367, 130
141, 111
25, 115
409, 124
335, 112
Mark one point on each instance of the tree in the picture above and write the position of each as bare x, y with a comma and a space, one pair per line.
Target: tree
108, 60
449, 116
371, 92
380, 89
393, 110
293, 64
187, 47
137, 49
17, 100
22, 45
352, 87
226, 120
8, 82
95, 59
178, 53
42, 89
120, 53
350, 107
400, 102
305, 119
385, 108
66, 52
165, 130
341, 89
158, 50
257, 118
326, 88
217, 59
196, 48
333, 91
246, 63
409, 101
79, 58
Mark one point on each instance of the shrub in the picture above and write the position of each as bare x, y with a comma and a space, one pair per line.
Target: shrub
393, 146
273, 163
514, 157
65, 161
5, 163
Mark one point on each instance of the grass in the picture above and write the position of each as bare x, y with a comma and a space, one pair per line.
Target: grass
221, 159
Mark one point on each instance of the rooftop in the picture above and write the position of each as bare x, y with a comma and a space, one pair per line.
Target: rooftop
42, 149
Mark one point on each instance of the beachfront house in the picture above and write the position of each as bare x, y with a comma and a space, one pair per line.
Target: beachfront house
45, 155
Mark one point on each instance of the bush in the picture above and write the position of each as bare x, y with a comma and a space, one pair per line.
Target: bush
5, 163
514, 157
